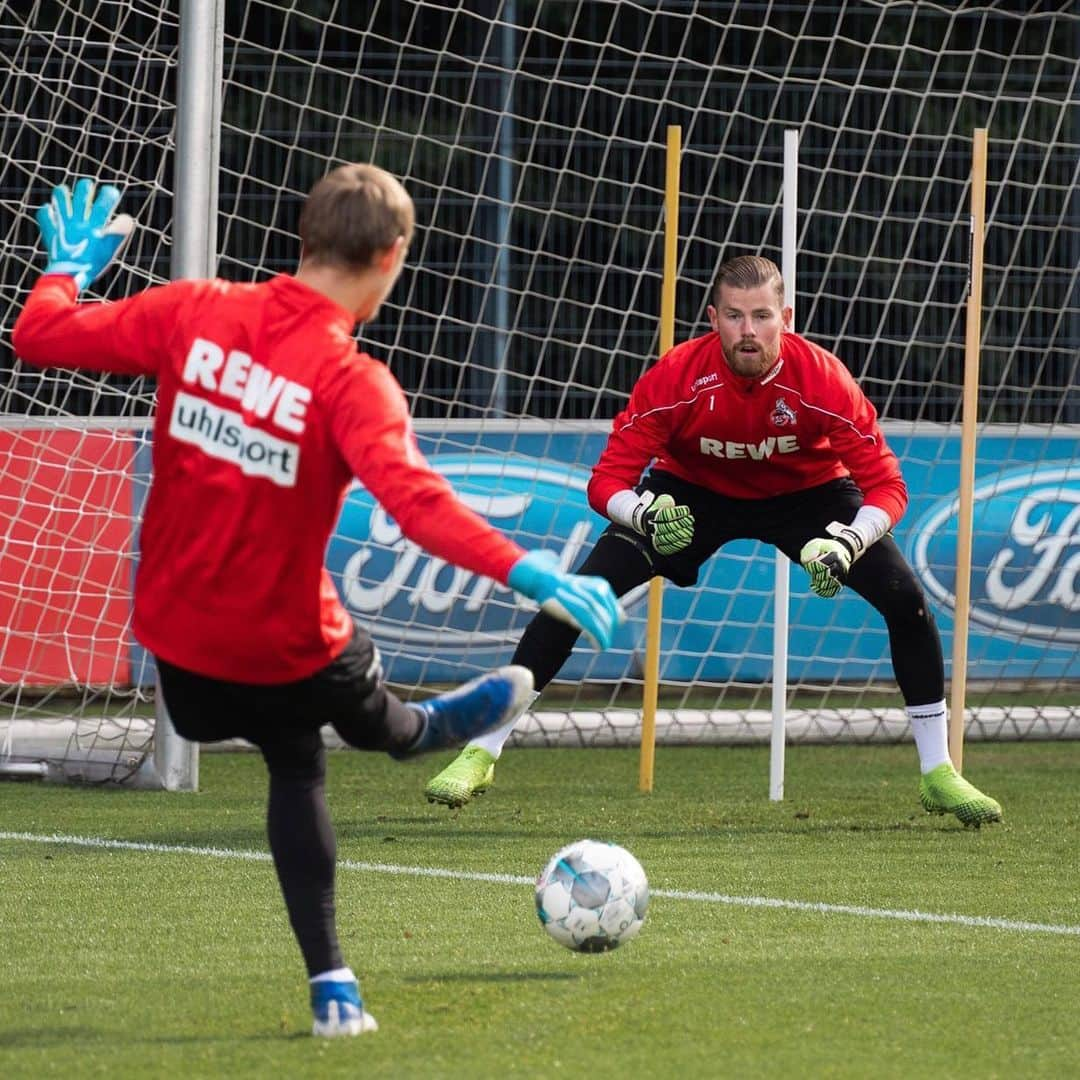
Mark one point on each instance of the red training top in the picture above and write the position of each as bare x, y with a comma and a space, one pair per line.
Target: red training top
265, 413
803, 423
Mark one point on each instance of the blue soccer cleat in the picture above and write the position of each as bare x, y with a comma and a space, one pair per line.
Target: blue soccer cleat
481, 704
338, 1009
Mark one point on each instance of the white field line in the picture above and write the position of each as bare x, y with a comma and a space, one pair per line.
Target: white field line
518, 879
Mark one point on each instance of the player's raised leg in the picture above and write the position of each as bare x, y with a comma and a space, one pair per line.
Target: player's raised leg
353, 697
487, 702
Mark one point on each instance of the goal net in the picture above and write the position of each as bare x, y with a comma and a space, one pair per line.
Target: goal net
87, 90
531, 135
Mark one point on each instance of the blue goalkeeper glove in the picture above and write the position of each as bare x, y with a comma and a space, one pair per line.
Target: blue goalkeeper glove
828, 561
78, 236
669, 528
587, 603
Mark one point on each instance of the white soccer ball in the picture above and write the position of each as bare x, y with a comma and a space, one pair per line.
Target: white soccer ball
592, 896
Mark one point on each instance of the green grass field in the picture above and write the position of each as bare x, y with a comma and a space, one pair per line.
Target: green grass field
123, 961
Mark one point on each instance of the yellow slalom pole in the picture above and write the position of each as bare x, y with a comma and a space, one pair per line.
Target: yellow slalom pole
969, 419
651, 689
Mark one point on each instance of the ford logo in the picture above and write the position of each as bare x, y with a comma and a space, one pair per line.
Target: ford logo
405, 594
1025, 553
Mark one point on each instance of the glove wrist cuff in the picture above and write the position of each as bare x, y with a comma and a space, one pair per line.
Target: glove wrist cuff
627, 508
525, 574
850, 536
852, 551
74, 270
637, 518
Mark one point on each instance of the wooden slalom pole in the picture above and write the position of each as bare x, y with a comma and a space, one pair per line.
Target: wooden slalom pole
968, 421
651, 689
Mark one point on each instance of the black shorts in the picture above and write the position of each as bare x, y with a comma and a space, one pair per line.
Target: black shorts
348, 693
882, 576
786, 522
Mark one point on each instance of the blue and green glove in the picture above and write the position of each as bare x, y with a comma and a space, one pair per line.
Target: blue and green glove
78, 236
587, 603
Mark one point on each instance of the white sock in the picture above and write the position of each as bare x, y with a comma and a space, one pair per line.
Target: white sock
494, 740
337, 975
931, 731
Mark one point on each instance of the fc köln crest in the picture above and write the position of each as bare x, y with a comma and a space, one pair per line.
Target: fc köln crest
782, 414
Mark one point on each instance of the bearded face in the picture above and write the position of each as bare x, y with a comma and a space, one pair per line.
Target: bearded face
749, 323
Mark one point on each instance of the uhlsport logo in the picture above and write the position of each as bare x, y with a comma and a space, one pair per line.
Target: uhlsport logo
1025, 578
401, 593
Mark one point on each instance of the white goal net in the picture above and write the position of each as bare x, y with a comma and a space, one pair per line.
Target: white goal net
531, 135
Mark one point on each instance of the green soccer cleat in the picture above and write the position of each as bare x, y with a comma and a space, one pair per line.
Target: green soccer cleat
470, 773
944, 791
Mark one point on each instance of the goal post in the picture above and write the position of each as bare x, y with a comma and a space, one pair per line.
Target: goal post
531, 138
175, 761
782, 565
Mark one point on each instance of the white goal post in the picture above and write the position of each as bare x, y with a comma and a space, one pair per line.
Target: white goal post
531, 135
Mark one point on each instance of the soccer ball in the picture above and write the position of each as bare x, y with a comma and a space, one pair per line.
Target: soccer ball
592, 896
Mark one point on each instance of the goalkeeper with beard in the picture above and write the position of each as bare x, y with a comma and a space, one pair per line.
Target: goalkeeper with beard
754, 432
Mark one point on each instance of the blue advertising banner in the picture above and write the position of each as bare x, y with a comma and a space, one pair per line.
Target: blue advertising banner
435, 622
1025, 614
1025, 565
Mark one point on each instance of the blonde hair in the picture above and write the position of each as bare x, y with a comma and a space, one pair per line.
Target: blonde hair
748, 272
353, 213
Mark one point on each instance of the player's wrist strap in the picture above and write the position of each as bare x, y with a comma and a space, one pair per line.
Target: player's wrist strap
870, 524
621, 507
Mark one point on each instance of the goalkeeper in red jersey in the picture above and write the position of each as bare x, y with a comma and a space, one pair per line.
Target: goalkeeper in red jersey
266, 412
754, 432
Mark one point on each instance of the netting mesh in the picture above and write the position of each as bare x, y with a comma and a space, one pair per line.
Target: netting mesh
531, 137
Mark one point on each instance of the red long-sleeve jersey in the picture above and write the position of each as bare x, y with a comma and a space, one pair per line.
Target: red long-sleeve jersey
802, 423
265, 413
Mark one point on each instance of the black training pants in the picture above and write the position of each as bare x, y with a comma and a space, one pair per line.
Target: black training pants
284, 722
882, 576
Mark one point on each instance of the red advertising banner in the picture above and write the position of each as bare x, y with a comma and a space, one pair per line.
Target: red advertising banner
66, 555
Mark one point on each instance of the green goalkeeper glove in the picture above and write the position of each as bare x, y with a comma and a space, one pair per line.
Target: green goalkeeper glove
669, 528
828, 562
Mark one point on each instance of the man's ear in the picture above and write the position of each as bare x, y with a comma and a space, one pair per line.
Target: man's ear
387, 260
